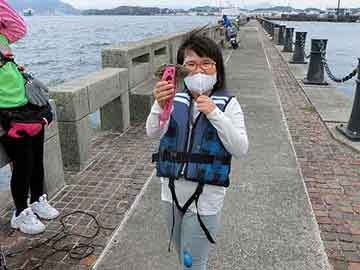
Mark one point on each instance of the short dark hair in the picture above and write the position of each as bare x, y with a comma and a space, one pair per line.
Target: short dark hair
205, 47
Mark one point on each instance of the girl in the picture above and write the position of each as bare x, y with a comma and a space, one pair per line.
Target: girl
205, 130
23, 142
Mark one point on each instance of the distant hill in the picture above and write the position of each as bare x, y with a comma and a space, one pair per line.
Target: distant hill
204, 9
44, 7
136, 10
261, 5
312, 10
276, 9
131, 10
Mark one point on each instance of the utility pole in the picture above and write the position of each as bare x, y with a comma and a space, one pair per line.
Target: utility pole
338, 11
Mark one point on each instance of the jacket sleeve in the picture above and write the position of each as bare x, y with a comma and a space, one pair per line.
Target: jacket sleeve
230, 126
153, 129
12, 25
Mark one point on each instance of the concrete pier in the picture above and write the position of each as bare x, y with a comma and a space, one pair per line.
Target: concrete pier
268, 222
294, 201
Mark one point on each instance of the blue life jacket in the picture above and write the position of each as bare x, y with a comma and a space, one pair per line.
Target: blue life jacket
203, 159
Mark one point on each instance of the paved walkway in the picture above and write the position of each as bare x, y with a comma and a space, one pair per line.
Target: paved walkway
106, 189
331, 170
267, 221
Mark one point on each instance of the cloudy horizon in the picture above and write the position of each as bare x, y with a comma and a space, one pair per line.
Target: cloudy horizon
104, 4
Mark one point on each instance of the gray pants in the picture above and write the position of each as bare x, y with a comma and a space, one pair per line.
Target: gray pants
188, 235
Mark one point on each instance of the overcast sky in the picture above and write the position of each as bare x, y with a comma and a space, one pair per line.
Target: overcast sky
102, 4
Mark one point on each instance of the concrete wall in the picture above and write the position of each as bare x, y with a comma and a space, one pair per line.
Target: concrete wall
105, 90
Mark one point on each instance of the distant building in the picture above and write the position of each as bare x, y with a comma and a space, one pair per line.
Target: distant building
343, 12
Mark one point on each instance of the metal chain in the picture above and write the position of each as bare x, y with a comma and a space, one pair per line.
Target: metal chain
331, 75
302, 45
302, 41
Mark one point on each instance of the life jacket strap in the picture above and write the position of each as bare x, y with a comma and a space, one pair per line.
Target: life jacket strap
183, 157
202, 225
194, 197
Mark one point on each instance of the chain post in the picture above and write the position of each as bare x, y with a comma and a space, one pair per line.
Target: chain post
276, 35
282, 34
299, 53
289, 39
275, 25
315, 74
352, 131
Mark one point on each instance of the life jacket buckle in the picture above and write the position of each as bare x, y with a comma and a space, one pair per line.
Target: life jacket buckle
173, 155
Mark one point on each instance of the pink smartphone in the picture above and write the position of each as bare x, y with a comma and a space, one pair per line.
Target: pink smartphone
170, 76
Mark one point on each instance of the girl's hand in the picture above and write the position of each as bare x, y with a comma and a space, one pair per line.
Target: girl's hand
205, 104
162, 92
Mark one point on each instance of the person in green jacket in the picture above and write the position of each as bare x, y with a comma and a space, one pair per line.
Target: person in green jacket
25, 145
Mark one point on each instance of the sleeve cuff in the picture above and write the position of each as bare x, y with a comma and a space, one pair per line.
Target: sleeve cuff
156, 108
215, 114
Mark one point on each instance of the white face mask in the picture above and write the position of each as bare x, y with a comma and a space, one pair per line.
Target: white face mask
200, 83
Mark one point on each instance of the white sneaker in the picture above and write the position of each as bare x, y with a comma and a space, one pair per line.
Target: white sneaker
27, 222
43, 209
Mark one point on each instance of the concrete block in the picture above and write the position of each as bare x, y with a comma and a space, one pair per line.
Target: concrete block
139, 73
53, 165
140, 106
175, 44
116, 114
141, 100
71, 99
53, 130
161, 54
122, 57
160, 60
115, 57
136, 57
75, 141
108, 84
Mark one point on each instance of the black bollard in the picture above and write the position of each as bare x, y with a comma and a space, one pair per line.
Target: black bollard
268, 27
271, 26
289, 39
315, 74
281, 34
352, 131
276, 37
275, 25
299, 54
